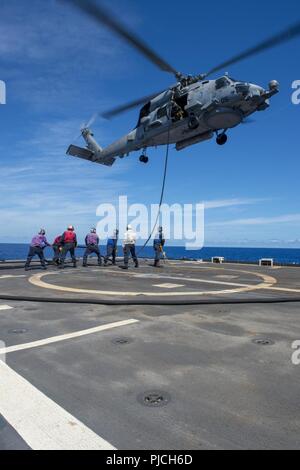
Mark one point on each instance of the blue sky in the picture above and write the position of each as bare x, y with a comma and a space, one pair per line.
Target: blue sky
60, 67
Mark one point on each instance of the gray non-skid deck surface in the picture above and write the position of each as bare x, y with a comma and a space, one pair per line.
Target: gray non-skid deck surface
9, 438
226, 392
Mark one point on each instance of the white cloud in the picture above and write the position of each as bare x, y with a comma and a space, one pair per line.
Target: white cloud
52, 56
228, 203
222, 203
283, 219
42, 31
44, 187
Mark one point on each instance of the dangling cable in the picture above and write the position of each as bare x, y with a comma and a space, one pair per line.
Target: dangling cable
162, 190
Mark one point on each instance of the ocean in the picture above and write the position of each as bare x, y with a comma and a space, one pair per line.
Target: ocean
239, 255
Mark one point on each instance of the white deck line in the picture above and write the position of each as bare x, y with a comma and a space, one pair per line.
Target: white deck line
5, 307
42, 423
56, 339
11, 276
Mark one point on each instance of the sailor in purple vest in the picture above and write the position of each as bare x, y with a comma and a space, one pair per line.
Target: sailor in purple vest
92, 246
38, 243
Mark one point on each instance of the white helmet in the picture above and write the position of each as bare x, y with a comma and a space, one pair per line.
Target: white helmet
42, 231
93, 230
129, 227
71, 228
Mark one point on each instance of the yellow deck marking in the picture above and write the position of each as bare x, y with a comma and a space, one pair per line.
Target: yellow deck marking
268, 281
284, 289
168, 286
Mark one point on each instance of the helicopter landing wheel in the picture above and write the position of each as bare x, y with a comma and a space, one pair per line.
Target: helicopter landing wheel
193, 123
144, 159
222, 139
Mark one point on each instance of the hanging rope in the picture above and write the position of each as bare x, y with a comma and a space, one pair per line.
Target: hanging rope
162, 191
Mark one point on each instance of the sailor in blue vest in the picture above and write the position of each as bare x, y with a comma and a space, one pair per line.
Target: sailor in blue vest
92, 246
112, 247
38, 243
158, 245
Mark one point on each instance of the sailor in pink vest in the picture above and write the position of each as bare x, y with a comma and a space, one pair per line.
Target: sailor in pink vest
69, 243
92, 246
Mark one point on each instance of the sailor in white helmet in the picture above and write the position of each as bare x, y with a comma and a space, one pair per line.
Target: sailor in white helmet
92, 246
129, 247
38, 243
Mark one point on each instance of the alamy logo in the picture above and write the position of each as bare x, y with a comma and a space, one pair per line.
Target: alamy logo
180, 222
2, 92
296, 93
296, 354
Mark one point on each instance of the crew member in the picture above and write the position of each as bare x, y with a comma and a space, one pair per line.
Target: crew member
38, 243
176, 113
129, 247
57, 249
112, 248
69, 243
92, 246
158, 245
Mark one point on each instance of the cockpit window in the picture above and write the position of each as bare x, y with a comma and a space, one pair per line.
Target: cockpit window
145, 111
222, 82
162, 112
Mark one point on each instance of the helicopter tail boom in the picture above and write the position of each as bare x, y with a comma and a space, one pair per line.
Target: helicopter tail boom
87, 154
93, 152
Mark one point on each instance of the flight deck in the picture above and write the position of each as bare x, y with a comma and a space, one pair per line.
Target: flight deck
190, 356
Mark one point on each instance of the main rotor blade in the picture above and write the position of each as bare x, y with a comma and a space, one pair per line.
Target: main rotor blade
101, 15
91, 121
286, 35
127, 106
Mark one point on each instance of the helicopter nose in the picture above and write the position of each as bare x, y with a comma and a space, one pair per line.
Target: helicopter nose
255, 93
242, 88
255, 90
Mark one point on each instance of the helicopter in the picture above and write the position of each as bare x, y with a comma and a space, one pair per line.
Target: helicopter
192, 110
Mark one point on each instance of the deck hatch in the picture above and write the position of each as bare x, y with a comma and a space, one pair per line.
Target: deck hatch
154, 399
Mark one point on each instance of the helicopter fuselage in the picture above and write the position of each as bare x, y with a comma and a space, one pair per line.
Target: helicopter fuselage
185, 115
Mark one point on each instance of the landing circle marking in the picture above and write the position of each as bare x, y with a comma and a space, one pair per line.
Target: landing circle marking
268, 281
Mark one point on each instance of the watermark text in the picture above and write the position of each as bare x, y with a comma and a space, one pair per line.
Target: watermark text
296, 354
180, 222
296, 93
2, 92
